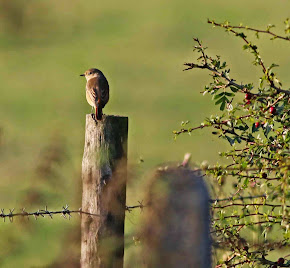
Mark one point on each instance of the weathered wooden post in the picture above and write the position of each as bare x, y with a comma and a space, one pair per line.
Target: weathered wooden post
176, 231
104, 172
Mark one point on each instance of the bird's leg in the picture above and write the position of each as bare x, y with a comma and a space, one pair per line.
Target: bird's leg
93, 115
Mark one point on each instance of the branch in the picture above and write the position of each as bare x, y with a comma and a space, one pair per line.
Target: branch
214, 70
230, 81
224, 122
237, 198
244, 224
265, 261
255, 50
287, 38
250, 215
249, 204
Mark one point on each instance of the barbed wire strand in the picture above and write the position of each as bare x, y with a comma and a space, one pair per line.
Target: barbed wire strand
65, 212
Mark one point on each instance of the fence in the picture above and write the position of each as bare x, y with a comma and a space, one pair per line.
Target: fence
176, 222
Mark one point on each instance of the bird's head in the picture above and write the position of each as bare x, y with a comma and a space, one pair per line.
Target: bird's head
91, 73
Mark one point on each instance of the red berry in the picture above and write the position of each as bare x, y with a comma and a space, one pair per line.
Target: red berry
246, 248
280, 261
257, 124
248, 96
248, 102
272, 110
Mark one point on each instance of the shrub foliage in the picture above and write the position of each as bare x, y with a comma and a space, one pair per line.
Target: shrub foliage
254, 218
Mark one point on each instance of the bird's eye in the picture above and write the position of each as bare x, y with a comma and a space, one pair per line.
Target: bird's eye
90, 73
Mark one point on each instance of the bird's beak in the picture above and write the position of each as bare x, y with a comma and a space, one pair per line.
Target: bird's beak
82, 74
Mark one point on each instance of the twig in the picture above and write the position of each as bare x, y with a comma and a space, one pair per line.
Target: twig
249, 204
255, 50
244, 224
263, 260
240, 198
287, 38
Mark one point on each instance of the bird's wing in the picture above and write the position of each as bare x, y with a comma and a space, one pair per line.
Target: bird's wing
92, 92
103, 90
98, 90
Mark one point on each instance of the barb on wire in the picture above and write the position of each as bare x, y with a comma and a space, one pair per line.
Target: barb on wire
141, 206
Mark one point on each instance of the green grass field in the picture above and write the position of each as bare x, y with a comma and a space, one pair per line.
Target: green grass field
141, 48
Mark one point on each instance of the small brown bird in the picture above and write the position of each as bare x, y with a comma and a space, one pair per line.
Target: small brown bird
97, 90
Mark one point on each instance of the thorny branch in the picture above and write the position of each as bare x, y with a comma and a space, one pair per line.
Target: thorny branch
244, 224
237, 198
263, 260
255, 166
250, 204
224, 122
287, 38
256, 52
231, 82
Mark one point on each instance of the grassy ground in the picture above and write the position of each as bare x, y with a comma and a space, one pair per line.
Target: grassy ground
140, 46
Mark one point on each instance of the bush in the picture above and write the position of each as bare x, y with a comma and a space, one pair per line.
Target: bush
257, 128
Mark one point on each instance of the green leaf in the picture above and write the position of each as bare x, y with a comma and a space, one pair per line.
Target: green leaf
246, 183
242, 35
267, 129
230, 140
245, 47
244, 165
254, 129
273, 65
238, 139
234, 89
242, 127
219, 95
223, 105
229, 94
220, 100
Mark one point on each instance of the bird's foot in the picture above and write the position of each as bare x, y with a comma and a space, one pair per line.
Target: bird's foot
94, 118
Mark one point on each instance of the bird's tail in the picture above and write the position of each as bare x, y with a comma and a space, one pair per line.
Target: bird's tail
99, 112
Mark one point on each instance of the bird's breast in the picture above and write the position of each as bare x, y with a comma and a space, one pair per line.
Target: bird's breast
89, 99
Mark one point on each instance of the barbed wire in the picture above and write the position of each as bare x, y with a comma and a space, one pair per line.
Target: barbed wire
65, 212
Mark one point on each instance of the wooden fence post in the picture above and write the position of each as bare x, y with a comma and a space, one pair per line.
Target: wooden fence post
104, 173
176, 220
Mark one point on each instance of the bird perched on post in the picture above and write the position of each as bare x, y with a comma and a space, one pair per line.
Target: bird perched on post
97, 91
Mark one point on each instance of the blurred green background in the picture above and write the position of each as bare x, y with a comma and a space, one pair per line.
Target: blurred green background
140, 46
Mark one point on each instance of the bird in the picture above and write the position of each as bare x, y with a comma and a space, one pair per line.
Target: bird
97, 91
